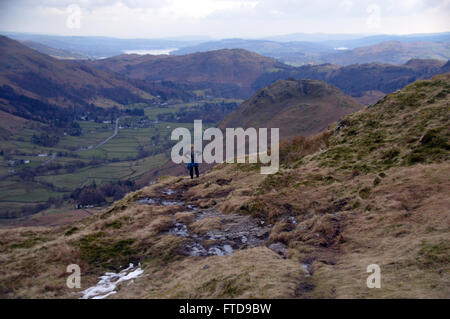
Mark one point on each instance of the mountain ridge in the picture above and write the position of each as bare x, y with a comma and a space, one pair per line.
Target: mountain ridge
235, 68
303, 107
29, 78
216, 70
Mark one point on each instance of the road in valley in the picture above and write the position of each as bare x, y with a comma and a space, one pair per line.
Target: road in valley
51, 159
54, 155
116, 131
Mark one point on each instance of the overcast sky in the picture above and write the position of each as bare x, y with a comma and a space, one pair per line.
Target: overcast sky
222, 18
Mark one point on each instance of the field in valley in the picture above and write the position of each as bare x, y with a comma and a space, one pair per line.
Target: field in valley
79, 161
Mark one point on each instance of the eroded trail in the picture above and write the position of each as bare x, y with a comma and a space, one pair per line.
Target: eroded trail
208, 231
199, 235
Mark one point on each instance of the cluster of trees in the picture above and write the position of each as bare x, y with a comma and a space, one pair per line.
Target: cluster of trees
135, 120
121, 95
165, 90
97, 195
44, 139
135, 112
63, 119
39, 111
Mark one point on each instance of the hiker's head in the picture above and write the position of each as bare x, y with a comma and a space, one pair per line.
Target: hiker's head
192, 146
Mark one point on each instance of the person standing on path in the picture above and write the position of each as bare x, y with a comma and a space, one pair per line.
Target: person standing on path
193, 165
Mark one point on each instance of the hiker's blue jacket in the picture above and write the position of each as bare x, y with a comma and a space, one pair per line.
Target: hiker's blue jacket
189, 165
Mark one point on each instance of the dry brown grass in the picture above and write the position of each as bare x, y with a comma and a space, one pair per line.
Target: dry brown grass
184, 217
202, 226
161, 223
406, 233
295, 149
281, 232
401, 224
251, 273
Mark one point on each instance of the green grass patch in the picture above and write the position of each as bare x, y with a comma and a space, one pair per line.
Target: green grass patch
100, 251
27, 243
434, 255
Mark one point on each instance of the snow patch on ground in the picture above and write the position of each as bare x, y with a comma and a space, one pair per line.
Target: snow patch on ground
169, 192
109, 281
147, 201
306, 268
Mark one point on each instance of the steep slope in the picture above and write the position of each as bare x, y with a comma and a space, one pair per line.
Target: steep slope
446, 67
294, 106
53, 52
29, 74
373, 191
230, 69
62, 83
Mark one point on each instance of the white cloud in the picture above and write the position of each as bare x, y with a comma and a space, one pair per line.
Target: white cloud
226, 18
202, 8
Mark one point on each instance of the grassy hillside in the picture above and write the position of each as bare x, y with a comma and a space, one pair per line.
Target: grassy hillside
33, 77
62, 83
229, 73
373, 191
294, 106
53, 52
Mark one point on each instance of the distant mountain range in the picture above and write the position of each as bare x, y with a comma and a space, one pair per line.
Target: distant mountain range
375, 39
394, 52
101, 47
229, 73
239, 73
352, 41
265, 47
295, 49
300, 53
301, 49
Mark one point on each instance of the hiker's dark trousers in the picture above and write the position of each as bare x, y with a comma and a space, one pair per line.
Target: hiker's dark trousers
191, 170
